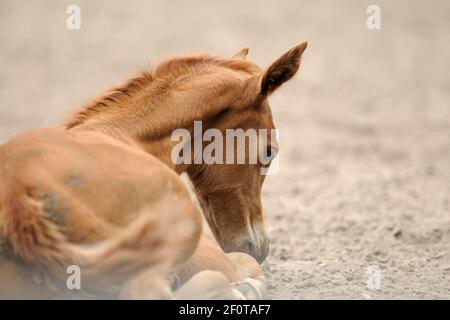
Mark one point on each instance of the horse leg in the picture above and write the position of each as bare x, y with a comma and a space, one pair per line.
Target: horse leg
150, 285
208, 285
253, 282
212, 274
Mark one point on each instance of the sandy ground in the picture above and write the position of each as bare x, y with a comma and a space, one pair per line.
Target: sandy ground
364, 177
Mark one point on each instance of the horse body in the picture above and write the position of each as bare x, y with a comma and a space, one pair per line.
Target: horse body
60, 178
104, 177
103, 193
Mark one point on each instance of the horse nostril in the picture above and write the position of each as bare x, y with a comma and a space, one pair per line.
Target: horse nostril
257, 249
259, 252
250, 247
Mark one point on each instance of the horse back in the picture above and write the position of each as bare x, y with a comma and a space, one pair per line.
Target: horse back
88, 184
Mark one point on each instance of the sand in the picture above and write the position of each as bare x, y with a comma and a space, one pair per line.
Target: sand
364, 178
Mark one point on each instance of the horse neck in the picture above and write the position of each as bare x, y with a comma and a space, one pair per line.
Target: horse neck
148, 118
161, 145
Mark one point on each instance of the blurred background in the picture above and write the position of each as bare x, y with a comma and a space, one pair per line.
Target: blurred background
364, 181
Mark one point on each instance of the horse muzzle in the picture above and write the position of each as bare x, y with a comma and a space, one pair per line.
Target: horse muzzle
254, 244
257, 249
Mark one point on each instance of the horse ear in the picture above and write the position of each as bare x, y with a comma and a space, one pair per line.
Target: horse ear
241, 54
282, 69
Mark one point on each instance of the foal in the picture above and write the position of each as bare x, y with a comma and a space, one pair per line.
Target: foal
103, 193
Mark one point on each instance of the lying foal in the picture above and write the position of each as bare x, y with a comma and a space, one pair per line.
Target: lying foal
102, 192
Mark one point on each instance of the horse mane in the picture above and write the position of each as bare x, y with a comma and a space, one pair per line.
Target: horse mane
116, 95
135, 86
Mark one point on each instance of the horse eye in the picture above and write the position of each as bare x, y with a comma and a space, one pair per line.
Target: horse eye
270, 153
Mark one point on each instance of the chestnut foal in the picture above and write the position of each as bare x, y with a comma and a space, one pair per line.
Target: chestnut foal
102, 192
